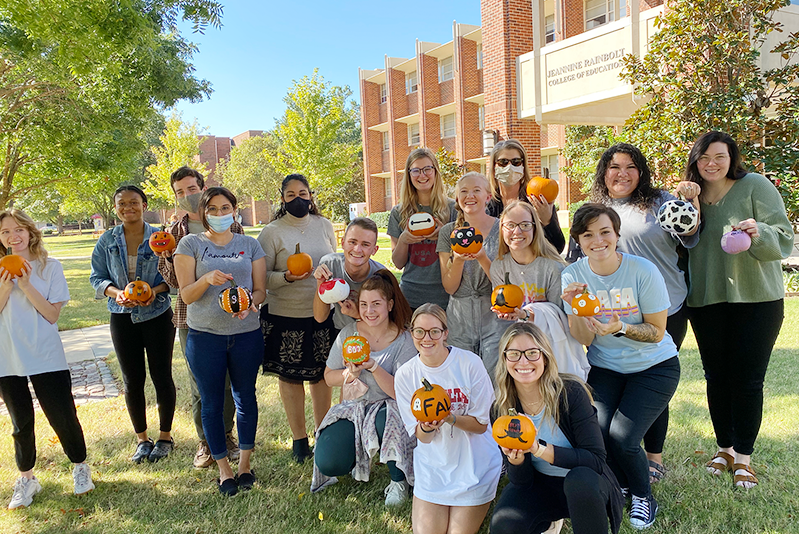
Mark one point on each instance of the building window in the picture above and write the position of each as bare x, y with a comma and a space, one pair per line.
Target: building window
411, 82
549, 31
445, 71
551, 164
479, 56
387, 192
447, 126
385, 141
413, 134
481, 117
599, 12
383, 93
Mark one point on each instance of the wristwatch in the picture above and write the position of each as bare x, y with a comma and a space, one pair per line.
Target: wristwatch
622, 331
542, 447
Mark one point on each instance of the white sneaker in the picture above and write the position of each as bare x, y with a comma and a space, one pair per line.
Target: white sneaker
82, 476
554, 527
396, 492
24, 490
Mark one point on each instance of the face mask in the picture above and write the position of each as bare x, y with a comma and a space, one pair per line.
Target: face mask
219, 223
509, 174
190, 203
299, 207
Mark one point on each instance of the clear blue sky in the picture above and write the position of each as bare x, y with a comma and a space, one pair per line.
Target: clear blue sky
264, 45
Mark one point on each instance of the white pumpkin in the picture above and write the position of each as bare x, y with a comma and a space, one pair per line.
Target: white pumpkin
334, 290
421, 223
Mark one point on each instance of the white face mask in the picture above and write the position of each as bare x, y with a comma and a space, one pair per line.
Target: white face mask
509, 174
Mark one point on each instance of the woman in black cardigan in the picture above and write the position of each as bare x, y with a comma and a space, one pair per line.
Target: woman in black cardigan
564, 473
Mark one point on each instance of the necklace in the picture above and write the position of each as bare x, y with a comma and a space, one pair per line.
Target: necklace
722, 192
534, 407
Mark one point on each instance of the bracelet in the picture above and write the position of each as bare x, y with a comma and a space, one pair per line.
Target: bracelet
454, 419
426, 431
542, 448
286, 279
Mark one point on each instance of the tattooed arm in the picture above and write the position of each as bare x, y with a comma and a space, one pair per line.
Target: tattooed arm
650, 331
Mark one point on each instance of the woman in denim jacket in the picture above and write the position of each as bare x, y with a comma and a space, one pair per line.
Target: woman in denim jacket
121, 256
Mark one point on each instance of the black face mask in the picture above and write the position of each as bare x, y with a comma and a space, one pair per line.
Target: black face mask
299, 207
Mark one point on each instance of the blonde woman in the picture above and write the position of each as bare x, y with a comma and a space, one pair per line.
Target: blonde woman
422, 190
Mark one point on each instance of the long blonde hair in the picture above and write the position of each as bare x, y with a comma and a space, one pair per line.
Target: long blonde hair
460, 220
409, 196
35, 245
540, 245
492, 161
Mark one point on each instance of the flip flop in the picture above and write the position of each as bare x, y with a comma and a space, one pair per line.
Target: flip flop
656, 472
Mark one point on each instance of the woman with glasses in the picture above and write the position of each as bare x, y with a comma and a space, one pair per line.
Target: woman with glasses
296, 346
564, 473
367, 423
422, 190
456, 462
123, 255
530, 262
221, 343
508, 174
634, 364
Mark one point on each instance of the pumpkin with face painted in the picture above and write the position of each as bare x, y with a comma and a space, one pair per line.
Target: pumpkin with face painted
421, 223
161, 241
466, 240
138, 290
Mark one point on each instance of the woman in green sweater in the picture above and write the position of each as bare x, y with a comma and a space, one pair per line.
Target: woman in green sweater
743, 289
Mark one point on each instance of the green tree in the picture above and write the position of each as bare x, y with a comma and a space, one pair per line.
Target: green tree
451, 169
249, 172
583, 147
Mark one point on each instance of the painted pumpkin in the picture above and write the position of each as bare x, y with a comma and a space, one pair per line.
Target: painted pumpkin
138, 290
735, 242
585, 304
539, 185
13, 263
430, 403
678, 217
334, 290
356, 350
466, 240
299, 263
514, 431
421, 224
162, 241
235, 299
507, 297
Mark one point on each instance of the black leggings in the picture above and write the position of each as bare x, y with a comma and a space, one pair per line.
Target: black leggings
583, 495
735, 342
157, 337
54, 392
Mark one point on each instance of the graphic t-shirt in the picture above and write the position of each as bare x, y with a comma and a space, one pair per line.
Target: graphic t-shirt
539, 280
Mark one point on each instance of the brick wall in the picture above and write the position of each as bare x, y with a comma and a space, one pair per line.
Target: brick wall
429, 97
574, 17
447, 91
372, 144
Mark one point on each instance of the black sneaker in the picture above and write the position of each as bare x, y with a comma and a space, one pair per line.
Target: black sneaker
643, 511
161, 450
143, 450
300, 450
229, 487
246, 480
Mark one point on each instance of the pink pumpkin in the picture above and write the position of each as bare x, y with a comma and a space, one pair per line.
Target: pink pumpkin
334, 290
735, 242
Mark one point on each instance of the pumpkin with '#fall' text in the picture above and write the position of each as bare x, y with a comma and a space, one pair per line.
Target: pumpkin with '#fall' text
138, 291
356, 350
466, 240
514, 431
421, 223
430, 403
162, 241
735, 242
299, 263
585, 304
538, 185
507, 297
13, 263
333, 290
235, 299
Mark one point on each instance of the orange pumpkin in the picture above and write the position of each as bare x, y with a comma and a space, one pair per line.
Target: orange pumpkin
514, 431
162, 241
13, 263
421, 223
466, 240
235, 299
430, 403
585, 304
356, 350
507, 297
138, 290
539, 185
299, 263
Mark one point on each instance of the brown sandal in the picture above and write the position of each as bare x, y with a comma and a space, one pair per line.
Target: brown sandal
750, 477
714, 462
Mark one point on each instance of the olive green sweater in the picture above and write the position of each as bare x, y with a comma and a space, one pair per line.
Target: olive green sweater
751, 276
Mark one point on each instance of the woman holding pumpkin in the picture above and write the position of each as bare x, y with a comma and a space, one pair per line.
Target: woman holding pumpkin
422, 190
141, 320
465, 267
33, 290
219, 343
456, 462
368, 422
296, 346
729, 289
563, 473
509, 175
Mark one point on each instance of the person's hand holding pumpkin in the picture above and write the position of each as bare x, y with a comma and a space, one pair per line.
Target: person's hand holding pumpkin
24, 281
603, 329
571, 291
244, 313
749, 226
690, 192
515, 456
322, 274
6, 280
216, 278
542, 208
516, 315
123, 301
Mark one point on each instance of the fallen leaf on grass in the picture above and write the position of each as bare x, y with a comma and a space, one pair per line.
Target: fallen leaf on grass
321, 517
54, 440
699, 452
300, 496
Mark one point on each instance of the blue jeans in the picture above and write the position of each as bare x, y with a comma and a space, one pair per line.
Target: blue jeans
210, 358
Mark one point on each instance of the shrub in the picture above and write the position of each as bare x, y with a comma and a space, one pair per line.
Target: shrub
380, 218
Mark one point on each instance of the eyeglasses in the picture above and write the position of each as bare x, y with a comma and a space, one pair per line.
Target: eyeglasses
531, 355
434, 333
429, 171
224, 210
511, 226
503, 162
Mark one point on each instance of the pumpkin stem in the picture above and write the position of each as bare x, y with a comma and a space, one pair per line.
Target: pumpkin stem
507, 279
9, 251
233, 284
426, 384
297, 249
512, 412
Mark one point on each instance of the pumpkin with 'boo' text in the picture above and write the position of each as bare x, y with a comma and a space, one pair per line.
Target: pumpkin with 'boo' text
356, 349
